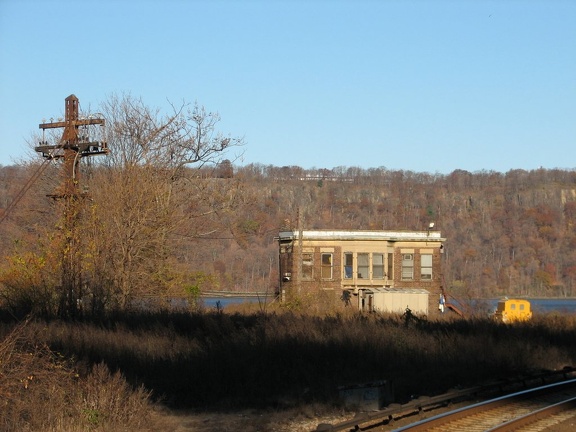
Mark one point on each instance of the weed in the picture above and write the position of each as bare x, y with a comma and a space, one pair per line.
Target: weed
220, 360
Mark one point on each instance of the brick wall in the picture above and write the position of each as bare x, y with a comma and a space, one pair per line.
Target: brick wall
333, 287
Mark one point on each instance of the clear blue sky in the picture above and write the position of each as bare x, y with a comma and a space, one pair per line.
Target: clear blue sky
427, 86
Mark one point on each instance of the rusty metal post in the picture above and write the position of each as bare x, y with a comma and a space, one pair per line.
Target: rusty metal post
71, 148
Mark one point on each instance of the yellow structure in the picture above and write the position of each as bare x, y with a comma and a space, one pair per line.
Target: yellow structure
513, 310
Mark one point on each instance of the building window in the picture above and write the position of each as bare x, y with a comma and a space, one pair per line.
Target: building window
363, 266
390, 266
326, 266
361, 269
426, 267
377, 266
308, 266
348, 265
407, 266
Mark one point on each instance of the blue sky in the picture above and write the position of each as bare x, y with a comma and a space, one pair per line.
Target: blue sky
426, 86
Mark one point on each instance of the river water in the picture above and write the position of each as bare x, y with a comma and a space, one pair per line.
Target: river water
547, 305
222, 302
539, 305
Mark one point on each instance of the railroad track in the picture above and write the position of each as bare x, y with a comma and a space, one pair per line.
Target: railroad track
528, 410
543, 404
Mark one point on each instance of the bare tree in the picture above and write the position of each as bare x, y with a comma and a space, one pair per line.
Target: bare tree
153, 192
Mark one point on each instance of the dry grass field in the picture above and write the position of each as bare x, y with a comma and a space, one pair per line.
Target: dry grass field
270, 371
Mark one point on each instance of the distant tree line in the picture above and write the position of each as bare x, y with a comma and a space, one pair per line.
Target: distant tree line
508, 233
169, 215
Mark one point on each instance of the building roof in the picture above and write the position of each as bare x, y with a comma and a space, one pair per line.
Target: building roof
362, 235
397, 290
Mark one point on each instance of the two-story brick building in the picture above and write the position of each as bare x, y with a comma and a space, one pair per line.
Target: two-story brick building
372, 270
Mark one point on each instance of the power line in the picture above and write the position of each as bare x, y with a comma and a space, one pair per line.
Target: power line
25, 189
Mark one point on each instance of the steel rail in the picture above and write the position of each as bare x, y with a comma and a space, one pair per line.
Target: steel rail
394, 410
485, 416
391, 410
551, 415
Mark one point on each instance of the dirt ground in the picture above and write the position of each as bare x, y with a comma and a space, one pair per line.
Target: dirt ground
301, 420
297, 420
246, 421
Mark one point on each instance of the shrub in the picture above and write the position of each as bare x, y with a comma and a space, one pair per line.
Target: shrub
40, 390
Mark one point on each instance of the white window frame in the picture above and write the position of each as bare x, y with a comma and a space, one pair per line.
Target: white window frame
307, 266
426, 261
326, 267
407, 266
378, 268
350, 274
363, 265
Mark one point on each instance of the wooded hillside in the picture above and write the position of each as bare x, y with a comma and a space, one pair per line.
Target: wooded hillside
508, 233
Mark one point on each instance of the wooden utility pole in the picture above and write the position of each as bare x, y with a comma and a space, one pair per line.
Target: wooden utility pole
75, 144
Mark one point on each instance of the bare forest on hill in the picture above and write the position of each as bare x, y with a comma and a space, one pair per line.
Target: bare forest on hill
167, 214
97, 267
507, 233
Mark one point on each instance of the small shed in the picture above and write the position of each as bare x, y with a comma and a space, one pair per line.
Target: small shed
396, 300
513, 310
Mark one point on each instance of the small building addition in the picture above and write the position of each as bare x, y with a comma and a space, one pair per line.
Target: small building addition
385, 271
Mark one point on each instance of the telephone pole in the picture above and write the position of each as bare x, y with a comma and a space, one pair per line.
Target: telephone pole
75, 143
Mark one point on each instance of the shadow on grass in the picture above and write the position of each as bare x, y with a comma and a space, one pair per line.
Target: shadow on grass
219, 361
